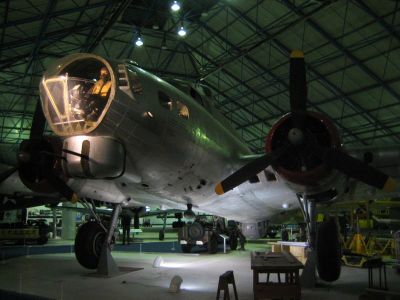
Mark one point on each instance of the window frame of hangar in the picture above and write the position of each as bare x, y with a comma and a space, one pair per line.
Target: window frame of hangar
170, 104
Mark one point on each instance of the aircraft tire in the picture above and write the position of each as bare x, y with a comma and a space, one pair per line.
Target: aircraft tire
42, 240
186, 248
212, 245
161, 235
88, 243
328, 251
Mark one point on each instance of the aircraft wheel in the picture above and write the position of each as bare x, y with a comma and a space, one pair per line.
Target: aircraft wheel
88, 243
213, 244
328, 251
42, 240
233, 242
161, 235
186, 248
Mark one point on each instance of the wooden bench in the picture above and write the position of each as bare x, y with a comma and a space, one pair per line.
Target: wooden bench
282, 263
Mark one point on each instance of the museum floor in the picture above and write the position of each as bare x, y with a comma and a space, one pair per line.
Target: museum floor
59, 276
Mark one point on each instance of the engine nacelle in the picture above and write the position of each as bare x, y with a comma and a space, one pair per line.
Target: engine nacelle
302, 169
93, 157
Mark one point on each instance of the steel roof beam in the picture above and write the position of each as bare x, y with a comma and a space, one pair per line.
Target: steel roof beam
266, 38
39, 38
348, 94
229, 74
276, 107
378, 19
261, 67
285, 50
110, 21
334, 42
368, 71
55, 14
347, 66
4, 30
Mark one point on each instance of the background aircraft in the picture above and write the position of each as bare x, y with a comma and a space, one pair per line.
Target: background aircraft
124, 136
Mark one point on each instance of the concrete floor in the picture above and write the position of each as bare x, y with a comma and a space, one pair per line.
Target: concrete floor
59, 276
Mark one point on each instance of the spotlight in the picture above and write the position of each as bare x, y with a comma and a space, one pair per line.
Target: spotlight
175, 285
182, 32
285, 205
139, 42
158, 261
175, 6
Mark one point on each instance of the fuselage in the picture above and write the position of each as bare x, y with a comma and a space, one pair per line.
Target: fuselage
129, 137
173, 149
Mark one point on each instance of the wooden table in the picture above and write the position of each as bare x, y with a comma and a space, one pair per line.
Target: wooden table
282, 263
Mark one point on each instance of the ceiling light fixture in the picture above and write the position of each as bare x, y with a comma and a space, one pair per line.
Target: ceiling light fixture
175, 6
139, 42
182, 32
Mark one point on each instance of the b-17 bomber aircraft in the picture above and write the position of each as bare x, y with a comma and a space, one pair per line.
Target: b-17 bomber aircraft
126, 137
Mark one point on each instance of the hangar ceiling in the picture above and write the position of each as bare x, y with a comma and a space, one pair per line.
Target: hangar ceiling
238, 48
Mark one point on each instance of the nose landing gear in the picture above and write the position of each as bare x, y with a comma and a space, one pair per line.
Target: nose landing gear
93, 244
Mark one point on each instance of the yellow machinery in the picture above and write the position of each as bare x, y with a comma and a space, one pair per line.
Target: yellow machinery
358, 252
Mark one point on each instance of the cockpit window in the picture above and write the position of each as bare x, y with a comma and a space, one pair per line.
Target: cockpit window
74, 100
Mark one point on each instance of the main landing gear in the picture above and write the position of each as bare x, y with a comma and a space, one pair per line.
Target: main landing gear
324, 252
93, 244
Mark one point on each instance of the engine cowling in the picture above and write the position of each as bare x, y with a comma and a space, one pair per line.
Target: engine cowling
38, 162
301, 168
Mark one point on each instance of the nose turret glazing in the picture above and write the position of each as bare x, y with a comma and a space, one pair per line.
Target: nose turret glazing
76, 96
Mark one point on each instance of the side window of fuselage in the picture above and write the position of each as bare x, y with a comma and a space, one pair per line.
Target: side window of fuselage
137, 87
183, 110
165, 101
170, 104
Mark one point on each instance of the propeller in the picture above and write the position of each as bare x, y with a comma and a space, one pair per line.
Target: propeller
355, 168
298, 89
38, 123
36, 160
249, 170
302, 139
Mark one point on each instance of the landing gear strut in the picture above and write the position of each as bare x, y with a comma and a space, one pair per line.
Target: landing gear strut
161, 233
324, 253
308, 277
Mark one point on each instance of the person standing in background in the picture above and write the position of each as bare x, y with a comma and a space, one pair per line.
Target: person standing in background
126, 227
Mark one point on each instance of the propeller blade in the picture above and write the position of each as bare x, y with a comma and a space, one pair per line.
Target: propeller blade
248, 171
7, 173
357, 169
38, 122
298, 88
